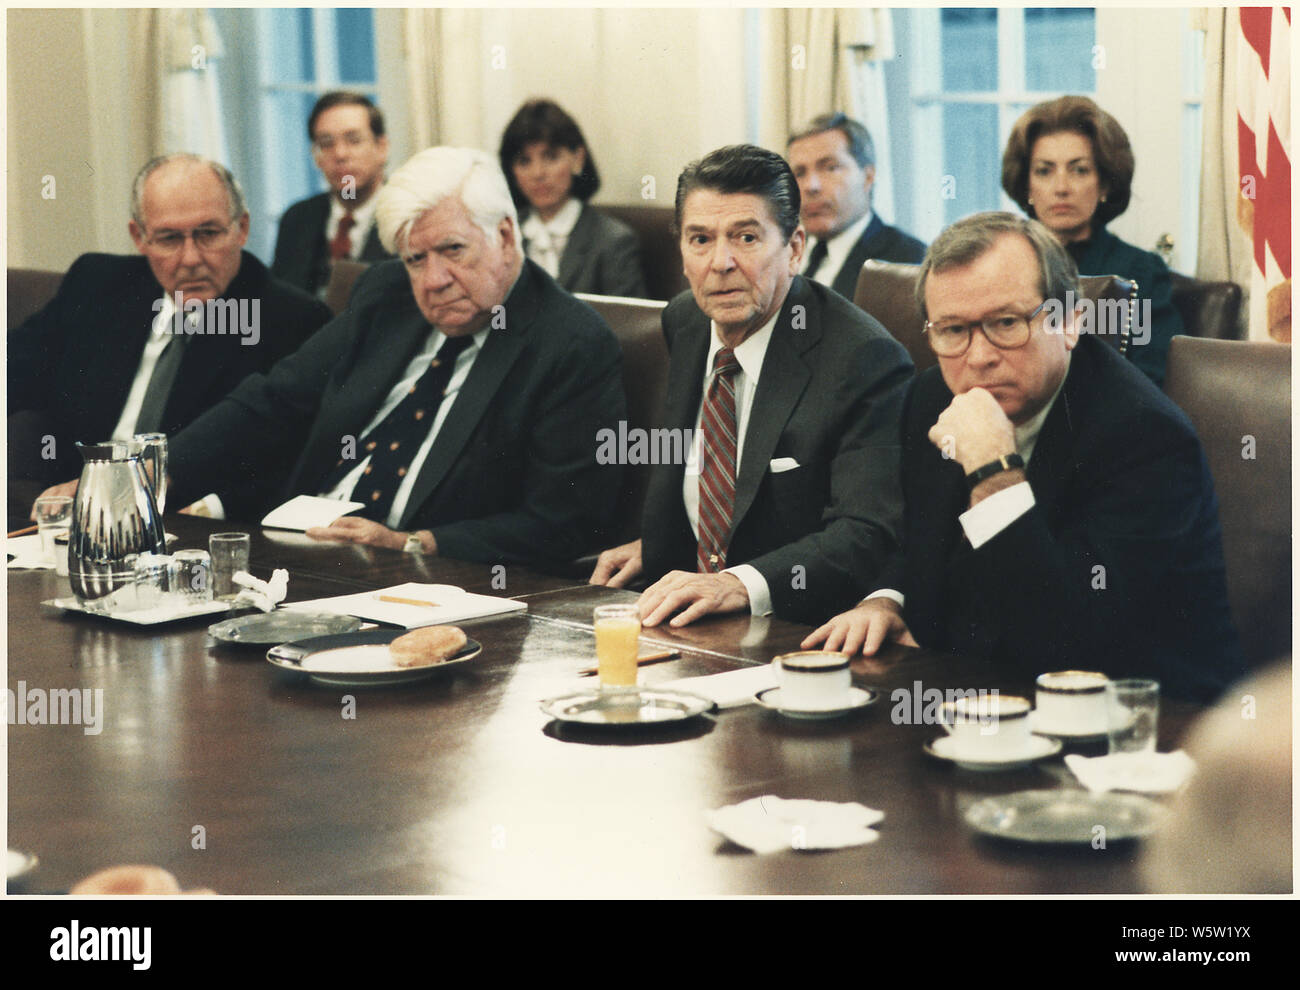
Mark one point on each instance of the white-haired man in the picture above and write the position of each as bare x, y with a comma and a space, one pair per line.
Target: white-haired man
458, 397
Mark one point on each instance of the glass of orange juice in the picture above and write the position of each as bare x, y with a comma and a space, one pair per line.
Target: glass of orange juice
618, 628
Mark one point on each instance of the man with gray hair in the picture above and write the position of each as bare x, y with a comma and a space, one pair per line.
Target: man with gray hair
1058, 510
834, 160
458, 397
145, 343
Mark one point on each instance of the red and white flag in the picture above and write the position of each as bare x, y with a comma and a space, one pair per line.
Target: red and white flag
1264, 159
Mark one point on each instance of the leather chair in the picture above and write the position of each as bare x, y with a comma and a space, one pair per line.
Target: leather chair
636, 324
29, 290
1208, 309
661, 256
1238, 396
887, 290
343, 276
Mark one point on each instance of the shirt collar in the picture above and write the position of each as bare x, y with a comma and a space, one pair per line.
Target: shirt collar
561, 225
1027, 433
361, 214
750, 353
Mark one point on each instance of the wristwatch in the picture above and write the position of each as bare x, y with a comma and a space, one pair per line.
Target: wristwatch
413, 544
1007, 462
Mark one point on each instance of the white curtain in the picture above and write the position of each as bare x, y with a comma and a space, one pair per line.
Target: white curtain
183, 48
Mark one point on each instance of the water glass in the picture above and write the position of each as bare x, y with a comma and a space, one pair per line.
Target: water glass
1132, 708
153, 457
53, 518
230, 552
191, 578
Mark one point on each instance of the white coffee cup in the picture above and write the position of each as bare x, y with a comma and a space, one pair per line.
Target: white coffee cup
1072, 702
989, 726
813, 680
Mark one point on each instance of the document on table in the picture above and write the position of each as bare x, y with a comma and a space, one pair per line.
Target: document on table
304, 511
730, 688
413, 605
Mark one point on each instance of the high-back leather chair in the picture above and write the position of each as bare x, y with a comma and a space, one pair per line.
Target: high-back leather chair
29, 290
661, 256
1237, 394
636, 324
887, 290
1208, 309
343, 276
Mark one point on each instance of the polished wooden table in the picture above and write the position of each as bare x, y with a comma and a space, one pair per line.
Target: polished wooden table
247, 779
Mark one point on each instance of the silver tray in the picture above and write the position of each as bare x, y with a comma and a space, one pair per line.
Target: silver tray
646, 706
271, 628
358, 659
1065, 816
143, 617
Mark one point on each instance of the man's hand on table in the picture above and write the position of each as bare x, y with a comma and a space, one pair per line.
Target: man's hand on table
866, 627
697, 594
68, 488
354, 529
617, 566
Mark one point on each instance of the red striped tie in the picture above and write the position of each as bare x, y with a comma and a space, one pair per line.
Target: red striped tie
717, 463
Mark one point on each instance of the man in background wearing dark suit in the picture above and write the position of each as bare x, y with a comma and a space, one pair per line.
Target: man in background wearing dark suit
459, 397
789, 397
835, 162
145, 343
348, 144
1059, 513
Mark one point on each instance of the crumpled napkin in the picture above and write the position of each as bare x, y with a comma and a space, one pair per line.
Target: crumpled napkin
264, 595
730, 688
1152, 773
769, 823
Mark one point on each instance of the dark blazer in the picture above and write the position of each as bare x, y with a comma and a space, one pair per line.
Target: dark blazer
829, 397
1105, 254
512, 475
302, 257
1118, 567
881, 243
76, 359
602, 256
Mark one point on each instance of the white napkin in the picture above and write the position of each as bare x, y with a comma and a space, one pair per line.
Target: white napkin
28, 553
729, 689
264, 595
769, 823
305, 511
1153, 773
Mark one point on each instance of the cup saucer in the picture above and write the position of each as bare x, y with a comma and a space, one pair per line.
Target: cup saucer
1041, 727
1038, 748
856, 698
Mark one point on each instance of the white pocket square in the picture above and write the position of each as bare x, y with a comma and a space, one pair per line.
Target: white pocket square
782, 464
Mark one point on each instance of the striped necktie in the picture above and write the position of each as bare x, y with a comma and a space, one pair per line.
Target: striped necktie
717, 463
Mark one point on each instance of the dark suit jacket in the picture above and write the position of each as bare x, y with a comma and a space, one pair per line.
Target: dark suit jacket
1118, 567
829, 397
602, 256
881, 243
512, 475
302, 257
76, 359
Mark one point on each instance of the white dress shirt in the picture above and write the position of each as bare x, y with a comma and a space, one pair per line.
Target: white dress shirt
750, 356
546, 239
363, 218
418, 365
837, 250
159, 337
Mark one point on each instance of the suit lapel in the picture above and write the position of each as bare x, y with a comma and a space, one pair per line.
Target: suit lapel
576, 250
781, 382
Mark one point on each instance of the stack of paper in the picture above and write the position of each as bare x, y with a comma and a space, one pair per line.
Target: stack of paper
413, 605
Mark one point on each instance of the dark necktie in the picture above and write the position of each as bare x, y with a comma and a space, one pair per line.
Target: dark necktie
341, 246
717, 463
815, 259
161, 381
396, 439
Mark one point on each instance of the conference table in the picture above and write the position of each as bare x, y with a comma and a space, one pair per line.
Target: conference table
241, 777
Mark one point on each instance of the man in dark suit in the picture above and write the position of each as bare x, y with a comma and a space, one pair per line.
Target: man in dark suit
350, 148
1059, 511
458, 398
791, 380
146, 343
835, 162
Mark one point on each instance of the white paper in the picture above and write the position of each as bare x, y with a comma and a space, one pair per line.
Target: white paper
28, 553
451, 604
304, 511
769, 824
729, 689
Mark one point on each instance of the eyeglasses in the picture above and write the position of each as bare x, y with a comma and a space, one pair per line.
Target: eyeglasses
353, 139
172, 241
1007, 331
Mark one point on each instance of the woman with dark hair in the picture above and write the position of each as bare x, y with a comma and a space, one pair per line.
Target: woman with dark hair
1068, 163
552, 175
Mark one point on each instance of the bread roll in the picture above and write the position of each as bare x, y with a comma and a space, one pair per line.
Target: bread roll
430, 645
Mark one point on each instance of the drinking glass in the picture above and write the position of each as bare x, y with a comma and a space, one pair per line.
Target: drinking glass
618, 628
191, 576
230, 552
153, 457
1132, 706
53, 517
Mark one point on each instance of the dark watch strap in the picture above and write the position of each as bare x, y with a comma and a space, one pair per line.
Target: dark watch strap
1007, 462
